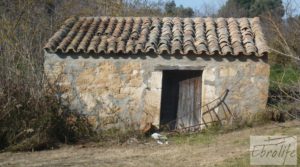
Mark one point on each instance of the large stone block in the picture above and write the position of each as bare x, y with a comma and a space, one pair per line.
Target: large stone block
227, 71
261, 69
209, 74
55, 72
89, 100
155, 81
130, 67
99, 79
151, 111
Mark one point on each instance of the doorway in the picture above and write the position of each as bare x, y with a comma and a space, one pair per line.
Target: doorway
181, 98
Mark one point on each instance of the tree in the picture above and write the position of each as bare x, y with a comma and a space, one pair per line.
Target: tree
172, 10
184, 12
251, 8
261, 6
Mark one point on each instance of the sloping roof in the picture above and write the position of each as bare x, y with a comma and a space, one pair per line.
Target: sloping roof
132, 35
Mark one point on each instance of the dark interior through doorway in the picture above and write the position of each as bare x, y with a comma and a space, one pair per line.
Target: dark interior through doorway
170, 94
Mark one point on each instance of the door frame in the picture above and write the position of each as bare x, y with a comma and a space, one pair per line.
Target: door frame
176, 67
162, 68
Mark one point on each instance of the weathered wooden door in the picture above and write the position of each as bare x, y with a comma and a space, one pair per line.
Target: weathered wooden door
189, 104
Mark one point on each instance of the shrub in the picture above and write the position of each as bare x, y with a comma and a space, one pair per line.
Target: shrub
27, 123
284, 92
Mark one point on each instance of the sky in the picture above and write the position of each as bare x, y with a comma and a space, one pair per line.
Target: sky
199, 3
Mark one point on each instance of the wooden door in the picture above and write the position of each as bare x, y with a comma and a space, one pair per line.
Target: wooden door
189, 104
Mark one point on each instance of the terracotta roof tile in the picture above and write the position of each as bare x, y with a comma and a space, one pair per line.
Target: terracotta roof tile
168, 35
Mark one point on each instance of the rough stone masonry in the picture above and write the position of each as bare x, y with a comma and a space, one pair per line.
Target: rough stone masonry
125, 92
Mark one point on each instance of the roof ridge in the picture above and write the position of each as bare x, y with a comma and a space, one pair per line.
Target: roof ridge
161, 17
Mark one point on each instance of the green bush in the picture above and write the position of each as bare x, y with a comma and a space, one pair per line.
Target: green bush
286, 75
284, 92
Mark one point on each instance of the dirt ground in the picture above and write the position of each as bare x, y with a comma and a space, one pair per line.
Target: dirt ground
185, 151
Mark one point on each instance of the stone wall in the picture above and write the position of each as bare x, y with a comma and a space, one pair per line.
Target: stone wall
125, 92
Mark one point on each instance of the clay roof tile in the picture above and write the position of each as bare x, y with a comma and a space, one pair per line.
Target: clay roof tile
168, 35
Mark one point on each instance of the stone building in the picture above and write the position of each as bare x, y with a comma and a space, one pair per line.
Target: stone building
135, 72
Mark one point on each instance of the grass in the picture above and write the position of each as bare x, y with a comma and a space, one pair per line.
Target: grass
244, 161
240, 142
213, 147
206, 136
209, 135
116, 136
193, 138
285, 74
